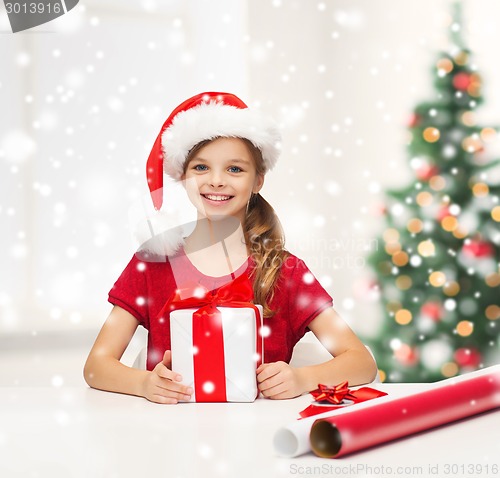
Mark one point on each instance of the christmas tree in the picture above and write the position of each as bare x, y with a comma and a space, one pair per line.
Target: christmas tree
437, 263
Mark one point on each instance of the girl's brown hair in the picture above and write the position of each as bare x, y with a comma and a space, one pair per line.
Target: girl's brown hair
263, 235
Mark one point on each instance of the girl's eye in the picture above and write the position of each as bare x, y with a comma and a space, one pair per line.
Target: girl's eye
235, 169
200, 167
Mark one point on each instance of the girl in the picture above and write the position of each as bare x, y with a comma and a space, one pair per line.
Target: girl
221, 150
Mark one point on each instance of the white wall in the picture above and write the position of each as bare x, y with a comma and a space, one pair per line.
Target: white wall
83, 98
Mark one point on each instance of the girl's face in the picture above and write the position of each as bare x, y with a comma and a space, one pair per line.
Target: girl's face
221, 177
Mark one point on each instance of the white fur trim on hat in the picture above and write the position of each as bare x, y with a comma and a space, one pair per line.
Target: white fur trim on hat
212, 120
162, 232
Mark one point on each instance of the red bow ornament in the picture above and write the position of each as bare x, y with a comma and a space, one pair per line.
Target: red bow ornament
336, 395
202, 334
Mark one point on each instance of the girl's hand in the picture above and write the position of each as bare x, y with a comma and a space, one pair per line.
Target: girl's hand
163, 386
278, 380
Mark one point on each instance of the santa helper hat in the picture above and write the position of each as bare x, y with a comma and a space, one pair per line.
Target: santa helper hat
205, 116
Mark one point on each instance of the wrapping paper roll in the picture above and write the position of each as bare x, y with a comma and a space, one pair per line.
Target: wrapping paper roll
448, 401
293, 439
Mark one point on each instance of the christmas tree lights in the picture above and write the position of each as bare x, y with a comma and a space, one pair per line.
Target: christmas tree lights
438, 264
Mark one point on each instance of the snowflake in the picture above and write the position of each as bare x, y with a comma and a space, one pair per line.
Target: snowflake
17, 146
265, 331
308, 278
57, 381
208, 387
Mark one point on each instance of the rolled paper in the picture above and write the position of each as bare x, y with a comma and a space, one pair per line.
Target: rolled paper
445, 402
293, 439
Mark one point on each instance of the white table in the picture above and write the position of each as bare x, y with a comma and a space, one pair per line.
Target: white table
85, 433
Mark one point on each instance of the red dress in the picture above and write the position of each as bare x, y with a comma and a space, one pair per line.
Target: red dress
143, 288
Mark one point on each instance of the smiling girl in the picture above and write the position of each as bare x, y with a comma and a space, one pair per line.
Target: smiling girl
221, 150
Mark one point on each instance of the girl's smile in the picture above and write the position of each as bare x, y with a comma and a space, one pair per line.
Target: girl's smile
216, 199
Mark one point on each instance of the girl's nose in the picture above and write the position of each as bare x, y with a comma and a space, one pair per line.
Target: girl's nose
216, 180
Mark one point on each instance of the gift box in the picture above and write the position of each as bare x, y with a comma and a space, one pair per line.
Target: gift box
216, 340
217, 351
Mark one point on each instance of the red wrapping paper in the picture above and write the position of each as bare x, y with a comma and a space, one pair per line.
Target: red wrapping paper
333, 437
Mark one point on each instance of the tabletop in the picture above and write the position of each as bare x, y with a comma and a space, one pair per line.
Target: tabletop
80, 432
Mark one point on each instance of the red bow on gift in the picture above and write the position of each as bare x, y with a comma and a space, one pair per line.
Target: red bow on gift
336, 394
208, 362
239, 290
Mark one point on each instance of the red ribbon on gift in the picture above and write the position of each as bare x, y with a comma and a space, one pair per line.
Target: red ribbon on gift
208, 361
335, 395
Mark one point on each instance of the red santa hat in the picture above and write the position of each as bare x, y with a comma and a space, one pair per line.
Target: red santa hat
205, 116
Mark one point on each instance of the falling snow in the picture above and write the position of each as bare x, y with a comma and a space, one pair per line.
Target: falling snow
208, 387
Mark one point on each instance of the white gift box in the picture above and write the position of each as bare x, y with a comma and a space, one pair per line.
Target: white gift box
241, 330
